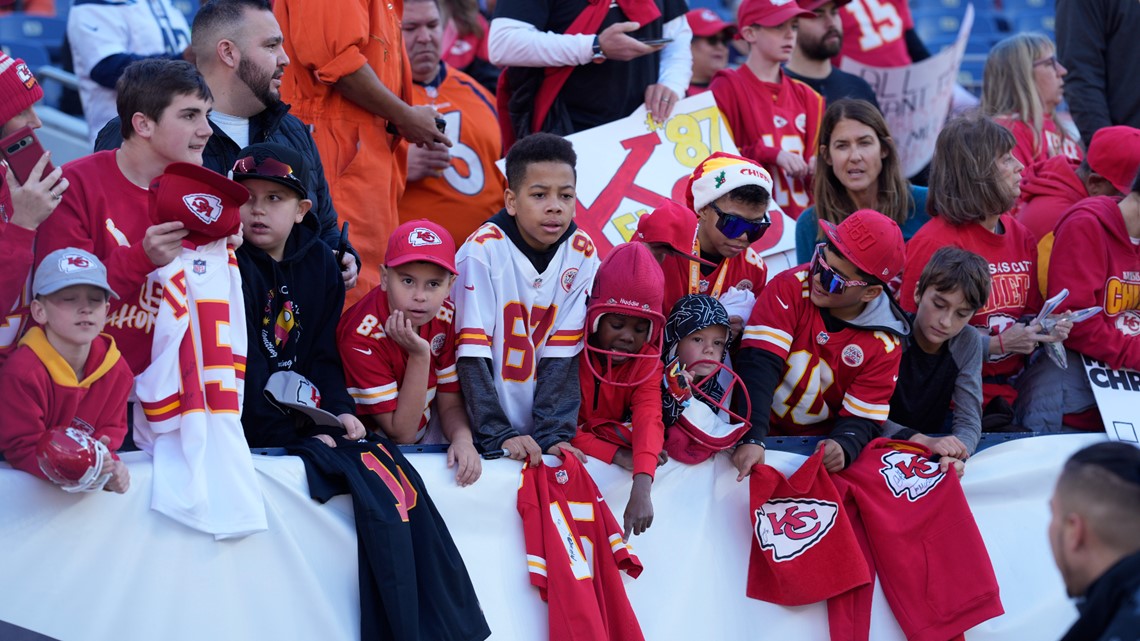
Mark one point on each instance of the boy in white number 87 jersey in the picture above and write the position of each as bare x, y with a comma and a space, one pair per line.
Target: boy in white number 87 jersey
520, 305
821, 352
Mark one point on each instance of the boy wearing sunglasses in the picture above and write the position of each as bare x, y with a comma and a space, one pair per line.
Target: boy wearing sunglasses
293, 297
731, 196
820, 355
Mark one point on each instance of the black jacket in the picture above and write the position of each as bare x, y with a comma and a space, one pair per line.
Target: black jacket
291, 311
274, 124
1110, 610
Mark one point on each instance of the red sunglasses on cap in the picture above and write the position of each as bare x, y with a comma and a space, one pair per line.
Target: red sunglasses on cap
269, 168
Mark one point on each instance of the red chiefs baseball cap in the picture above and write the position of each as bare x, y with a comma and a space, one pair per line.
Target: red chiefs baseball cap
705, 22
871, 241
1114, 153
671, 224
421, 240
208, 203
769, 13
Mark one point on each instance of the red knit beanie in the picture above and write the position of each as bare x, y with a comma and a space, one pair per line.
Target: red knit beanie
18, 87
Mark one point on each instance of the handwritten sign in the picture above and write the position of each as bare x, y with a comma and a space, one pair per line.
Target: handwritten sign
916, 99
627, 167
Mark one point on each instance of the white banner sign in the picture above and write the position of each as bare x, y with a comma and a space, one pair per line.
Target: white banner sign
915, 99
1117, 392
106, 566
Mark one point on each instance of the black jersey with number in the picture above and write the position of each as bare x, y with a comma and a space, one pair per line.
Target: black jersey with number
413, 583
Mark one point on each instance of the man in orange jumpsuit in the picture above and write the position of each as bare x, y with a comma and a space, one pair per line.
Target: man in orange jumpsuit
350, 80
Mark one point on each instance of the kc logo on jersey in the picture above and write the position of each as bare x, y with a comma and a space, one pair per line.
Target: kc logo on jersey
71, 263
790, 527
422, 237
1128, 323
207, 207
910, 474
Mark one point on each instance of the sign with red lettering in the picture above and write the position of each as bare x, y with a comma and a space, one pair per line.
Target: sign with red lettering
627, 167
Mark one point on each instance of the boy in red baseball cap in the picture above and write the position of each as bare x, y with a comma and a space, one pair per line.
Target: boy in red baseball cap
774, 119
821, 352
398, 347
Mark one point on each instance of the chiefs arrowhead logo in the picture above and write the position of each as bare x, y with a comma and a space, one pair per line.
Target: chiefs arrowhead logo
422, 237
779, 121
207, 207
790, 527
910, 474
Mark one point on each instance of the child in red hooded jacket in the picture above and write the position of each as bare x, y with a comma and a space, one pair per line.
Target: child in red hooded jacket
619, 420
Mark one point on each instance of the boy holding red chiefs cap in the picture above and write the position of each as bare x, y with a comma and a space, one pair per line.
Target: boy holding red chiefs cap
293, 296
821, 352
398, 347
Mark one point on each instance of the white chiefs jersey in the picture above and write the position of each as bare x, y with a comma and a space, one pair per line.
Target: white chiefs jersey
508, 312
189, 412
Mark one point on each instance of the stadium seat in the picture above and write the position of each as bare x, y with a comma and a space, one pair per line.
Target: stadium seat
189, 8
970, 74
35, 54
1016, 7
1040, 22
46, 31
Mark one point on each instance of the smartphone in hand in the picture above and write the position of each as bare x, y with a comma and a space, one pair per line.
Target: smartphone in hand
653, 42
22, 150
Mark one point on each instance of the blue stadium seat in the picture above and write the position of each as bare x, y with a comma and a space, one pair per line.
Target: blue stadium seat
189, 8
1015, 7
46, 31
970, 74
957, 6
35, 54
1041, 22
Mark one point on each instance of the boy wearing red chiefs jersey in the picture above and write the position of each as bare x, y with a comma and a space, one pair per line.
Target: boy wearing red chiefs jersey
821, 352
731, 196
774, 119
398, 347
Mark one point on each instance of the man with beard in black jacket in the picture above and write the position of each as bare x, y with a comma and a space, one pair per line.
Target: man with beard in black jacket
237, 47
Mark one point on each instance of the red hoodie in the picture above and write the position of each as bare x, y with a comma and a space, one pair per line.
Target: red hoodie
1094, 258
1047, 192
611, 414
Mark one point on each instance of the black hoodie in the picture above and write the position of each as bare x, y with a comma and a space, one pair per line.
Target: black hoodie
291, 310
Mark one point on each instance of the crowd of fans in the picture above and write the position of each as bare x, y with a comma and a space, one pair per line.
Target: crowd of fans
914, 309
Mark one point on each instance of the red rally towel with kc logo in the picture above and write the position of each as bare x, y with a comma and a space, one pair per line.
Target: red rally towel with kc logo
920, 539
803, 547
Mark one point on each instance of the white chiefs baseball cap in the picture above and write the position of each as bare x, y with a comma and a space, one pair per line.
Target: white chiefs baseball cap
291, 390
67, 267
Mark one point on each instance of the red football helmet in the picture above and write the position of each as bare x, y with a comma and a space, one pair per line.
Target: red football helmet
701, 431
73, 459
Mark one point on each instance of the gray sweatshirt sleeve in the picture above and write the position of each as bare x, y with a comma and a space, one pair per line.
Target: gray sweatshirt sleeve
489, 422
967, 351
557, 397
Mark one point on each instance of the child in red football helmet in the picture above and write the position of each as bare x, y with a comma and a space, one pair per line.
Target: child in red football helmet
619, 420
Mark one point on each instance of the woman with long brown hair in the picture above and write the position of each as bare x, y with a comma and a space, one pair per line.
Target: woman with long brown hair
974, 181
857, 167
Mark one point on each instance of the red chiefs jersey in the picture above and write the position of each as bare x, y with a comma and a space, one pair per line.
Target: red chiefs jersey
575, 554
803, 548
920, 539
851, 372
613, 416
767, 118
745, 270
1032, 149
374, 364
104, 213
1013, 292
873, 32
471, 190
